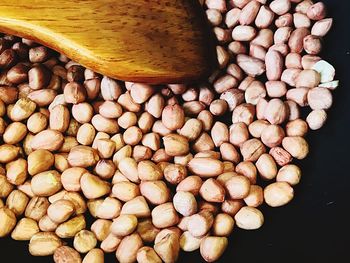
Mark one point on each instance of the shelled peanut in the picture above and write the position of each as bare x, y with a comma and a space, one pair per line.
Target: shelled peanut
161, 168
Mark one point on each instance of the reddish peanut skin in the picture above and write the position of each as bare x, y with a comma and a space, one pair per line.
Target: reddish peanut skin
249, 13
295, 42
274, 65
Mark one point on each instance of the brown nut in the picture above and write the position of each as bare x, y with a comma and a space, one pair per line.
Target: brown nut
247, 169
106, 125
238, 133
109, 208
46, 224
190, 184
243, 113
65, 254
243, 33
223, 225
296, 39
38, 77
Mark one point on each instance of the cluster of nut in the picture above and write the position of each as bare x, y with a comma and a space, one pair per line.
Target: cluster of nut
156, 167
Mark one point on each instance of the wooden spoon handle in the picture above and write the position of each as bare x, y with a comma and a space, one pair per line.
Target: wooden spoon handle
147, 41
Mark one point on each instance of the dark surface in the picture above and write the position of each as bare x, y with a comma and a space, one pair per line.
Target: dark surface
314, 227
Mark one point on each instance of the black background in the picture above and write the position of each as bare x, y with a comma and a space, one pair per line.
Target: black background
315, 226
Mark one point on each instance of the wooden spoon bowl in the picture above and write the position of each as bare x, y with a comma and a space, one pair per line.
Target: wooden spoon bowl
150, 41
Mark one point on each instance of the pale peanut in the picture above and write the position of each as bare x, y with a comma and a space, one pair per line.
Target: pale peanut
128, 247
278, 194
137, 206
44, 244
124, 225
25, 229
95, 255
212, 248
249, 218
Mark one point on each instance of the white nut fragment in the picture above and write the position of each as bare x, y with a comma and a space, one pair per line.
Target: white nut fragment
249, 218
332, 85
326, 71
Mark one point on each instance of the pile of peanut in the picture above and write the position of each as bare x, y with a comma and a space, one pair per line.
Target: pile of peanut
159, 168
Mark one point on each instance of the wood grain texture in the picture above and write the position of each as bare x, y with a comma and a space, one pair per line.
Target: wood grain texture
151, 41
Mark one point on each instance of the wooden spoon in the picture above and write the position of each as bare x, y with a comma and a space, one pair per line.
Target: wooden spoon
150, 41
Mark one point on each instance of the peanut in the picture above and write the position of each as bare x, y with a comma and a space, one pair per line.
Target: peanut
172, 160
